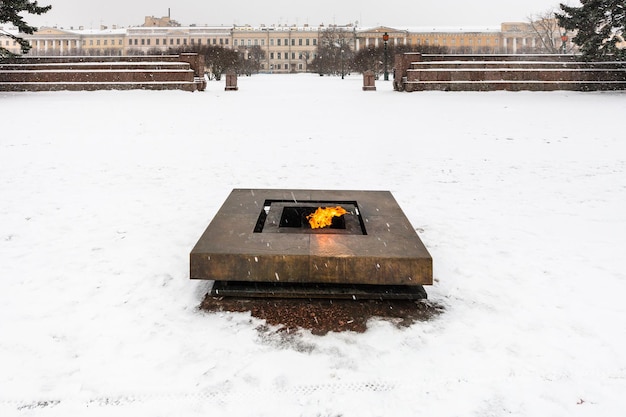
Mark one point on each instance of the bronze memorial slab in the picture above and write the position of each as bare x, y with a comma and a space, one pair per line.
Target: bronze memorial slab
265, 236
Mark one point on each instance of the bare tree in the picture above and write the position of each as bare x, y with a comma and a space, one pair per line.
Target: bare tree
548, 34
335, 51
250, 60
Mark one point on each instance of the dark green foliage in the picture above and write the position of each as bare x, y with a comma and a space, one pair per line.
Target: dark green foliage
10, 13
599, 28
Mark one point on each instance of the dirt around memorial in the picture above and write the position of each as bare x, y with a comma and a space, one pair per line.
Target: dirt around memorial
321, 316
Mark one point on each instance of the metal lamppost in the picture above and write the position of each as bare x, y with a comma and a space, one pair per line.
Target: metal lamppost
342, 63
564, 42
385, 40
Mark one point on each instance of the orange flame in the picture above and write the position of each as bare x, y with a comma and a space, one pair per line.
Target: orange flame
323, 216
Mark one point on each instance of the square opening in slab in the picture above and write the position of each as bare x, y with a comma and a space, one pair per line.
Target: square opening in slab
298, 217
287, 216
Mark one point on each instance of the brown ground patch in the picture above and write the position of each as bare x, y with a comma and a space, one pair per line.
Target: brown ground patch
321, 316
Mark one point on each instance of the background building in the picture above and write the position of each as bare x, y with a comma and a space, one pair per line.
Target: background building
284, 48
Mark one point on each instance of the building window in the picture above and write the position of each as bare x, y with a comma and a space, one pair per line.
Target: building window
278, 42
226, 41
314, 42
300, 42
106, 42
148, 42
157, 41
171, 41
307, 42
293, 42
271, 55
184, 41
143, 41
221, 41
235, 42
271, 42
262, 42
177, 41
278, 55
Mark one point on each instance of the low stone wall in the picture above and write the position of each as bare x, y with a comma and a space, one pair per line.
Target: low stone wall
416, 72
184, 72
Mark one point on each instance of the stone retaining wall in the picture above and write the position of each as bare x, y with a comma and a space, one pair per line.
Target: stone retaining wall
184, 72
417, 72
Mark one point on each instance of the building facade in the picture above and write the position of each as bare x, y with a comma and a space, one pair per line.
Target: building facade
148, 40
286, 48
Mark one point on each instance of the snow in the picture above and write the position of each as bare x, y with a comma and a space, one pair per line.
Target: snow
519, 197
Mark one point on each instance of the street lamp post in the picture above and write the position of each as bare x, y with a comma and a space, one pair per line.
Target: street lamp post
342, 63
385, 40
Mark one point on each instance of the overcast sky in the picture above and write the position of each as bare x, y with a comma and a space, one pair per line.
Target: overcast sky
91, 14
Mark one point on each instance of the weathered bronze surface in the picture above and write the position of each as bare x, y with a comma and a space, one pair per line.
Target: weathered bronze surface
389, 253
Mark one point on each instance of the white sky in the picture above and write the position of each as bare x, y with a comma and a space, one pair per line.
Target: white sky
91, 14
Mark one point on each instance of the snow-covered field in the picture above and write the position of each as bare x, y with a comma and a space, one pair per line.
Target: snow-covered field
519, 197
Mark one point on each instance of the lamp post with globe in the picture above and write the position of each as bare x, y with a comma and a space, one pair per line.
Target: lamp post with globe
385, 40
